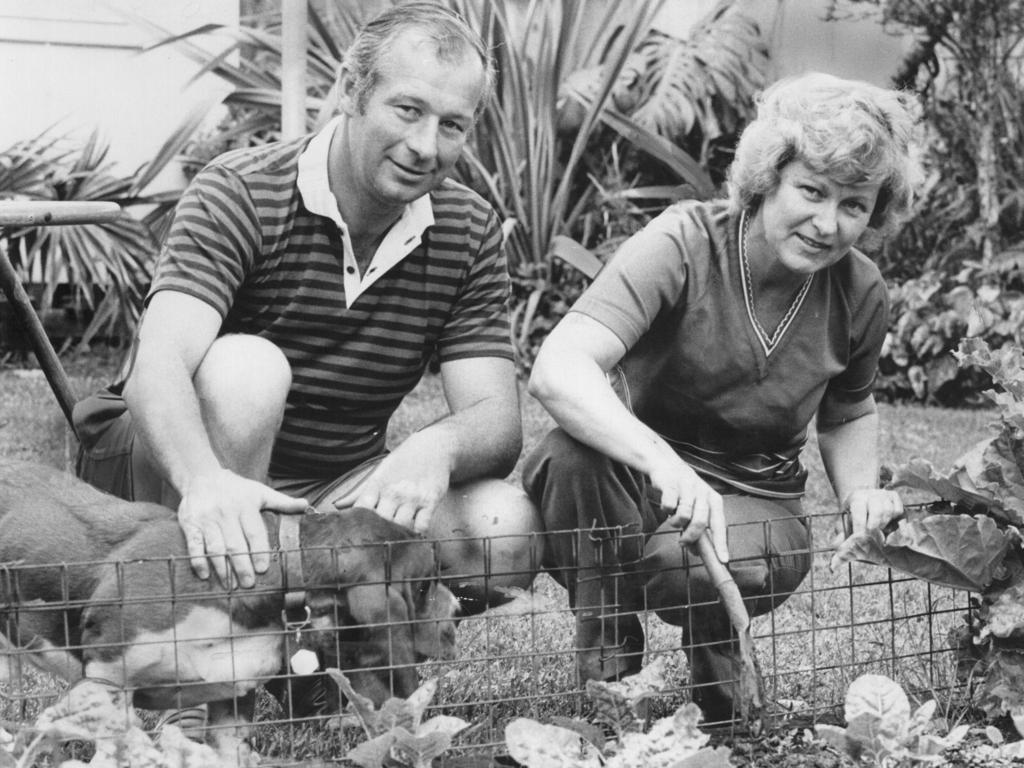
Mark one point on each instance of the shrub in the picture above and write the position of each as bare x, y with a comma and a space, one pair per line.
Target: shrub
930, 315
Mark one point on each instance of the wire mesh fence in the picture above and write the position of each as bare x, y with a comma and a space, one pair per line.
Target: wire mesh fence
519, 659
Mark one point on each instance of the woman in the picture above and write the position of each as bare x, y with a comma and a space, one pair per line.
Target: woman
684, 380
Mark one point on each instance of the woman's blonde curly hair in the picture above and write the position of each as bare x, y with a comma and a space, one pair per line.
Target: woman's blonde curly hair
851, 131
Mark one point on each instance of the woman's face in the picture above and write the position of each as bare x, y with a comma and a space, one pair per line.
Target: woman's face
810, 221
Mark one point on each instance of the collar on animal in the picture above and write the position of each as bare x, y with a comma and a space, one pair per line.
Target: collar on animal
296, 613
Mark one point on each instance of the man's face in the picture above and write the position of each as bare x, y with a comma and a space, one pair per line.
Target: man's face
413, 125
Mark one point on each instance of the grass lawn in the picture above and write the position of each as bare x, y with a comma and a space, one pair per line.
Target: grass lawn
517, 660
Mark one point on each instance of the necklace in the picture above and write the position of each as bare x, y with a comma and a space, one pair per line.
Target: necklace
768, 343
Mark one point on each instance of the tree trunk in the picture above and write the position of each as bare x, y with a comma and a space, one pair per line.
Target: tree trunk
988, 190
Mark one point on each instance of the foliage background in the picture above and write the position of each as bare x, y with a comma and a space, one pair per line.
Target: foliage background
595, 128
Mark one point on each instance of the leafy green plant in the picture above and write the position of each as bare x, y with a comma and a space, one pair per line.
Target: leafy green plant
90, 712
107, 258
965, 62
670, 742
106, 266
696, 92
929, 316
973, 541
397, 734
881, 729
539, 150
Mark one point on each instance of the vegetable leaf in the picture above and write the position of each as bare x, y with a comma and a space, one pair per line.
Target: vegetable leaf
959, 551
538, 745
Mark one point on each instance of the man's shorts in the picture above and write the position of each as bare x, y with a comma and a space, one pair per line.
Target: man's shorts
111, 458
106, 438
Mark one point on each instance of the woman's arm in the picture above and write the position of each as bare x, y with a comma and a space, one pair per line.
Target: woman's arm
569, 379
848, 442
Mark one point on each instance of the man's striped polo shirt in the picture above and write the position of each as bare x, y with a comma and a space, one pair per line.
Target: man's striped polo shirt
243, 242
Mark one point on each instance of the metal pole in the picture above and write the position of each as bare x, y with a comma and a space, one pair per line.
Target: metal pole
45, 213
294, 18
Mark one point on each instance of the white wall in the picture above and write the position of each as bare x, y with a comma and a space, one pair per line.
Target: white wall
79, 64
802, 40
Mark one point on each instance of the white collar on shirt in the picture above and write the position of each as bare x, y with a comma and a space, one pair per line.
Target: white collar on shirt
399, 241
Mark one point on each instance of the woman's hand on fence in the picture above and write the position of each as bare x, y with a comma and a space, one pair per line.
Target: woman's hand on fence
867, 508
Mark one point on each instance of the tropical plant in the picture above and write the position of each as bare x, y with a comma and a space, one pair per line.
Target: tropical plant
106, 265
540, 150
696, 92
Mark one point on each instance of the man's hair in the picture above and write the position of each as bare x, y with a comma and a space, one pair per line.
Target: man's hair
848, 130
452, 37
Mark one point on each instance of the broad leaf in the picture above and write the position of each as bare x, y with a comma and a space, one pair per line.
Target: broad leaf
576, 256
1002, 688
921, 475
418, 751
618, 704
1005, 365
992, 469
1005, 615
393, 713
612, 708
833, 735
446, 724
591, 733
536, 745
88, 710
372, 753
959, 551
876, 710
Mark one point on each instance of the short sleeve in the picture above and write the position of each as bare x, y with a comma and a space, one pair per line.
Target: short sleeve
869, 324
478, 325
647, 274
213, 240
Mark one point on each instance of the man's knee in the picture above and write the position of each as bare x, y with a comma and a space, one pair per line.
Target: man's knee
243, 377
491, 539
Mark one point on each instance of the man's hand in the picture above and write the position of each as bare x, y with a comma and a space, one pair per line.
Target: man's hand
871, 508
694, 506
407, 485
220, 515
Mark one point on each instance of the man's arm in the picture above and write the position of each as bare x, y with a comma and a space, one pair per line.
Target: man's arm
481, 437
219, 510
483, 397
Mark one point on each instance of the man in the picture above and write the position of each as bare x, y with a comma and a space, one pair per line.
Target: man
300, 293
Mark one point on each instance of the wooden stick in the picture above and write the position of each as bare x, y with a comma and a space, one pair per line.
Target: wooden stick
21, 304
750, 686
14, 213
